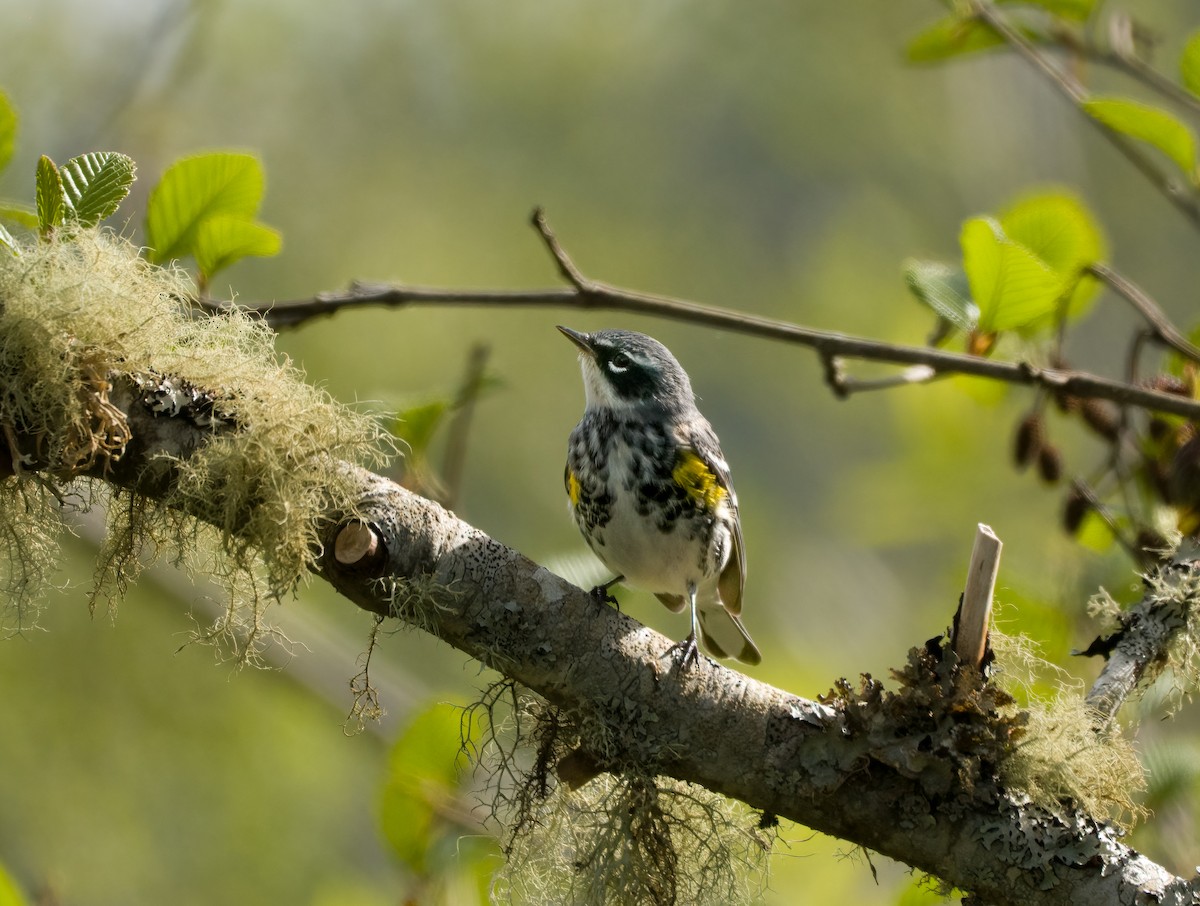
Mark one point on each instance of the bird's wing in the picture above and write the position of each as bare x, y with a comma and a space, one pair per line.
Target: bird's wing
699, 442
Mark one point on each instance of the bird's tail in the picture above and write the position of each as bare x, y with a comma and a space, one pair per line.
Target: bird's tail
724, 635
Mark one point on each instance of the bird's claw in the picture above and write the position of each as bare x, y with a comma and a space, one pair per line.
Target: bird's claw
687, 652
602, 596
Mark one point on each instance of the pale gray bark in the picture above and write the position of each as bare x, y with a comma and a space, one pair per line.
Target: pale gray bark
877, 786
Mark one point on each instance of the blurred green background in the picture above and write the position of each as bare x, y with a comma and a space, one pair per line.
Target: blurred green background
778, 158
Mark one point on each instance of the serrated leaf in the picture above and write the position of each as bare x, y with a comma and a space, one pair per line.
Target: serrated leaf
194, 189
943, 288
8, 130
951, 37
1057, 227
1189, 64
1012, 286
1060, 230
1152, 125
7, 243
21, 215
95, 184
222, 240
51, 205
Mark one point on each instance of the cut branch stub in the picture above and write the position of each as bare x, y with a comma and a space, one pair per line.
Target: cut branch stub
970, 637
359, 545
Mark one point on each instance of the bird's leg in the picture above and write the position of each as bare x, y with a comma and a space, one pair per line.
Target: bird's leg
689, 651
602, 594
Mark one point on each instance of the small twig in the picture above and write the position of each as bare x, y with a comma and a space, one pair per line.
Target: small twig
1135, 66
845, 385
975, 615
460, 423
1179, 196
566, 267
1122, 55
835, 374
1084, 490
585, 293
1160, 325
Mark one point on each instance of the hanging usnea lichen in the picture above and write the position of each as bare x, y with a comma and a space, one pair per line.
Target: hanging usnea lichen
628, 835
78, 316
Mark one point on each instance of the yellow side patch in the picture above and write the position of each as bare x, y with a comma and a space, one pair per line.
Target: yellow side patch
573, 488
693, 475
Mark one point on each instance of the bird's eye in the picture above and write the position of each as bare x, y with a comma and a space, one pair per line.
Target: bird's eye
619, 362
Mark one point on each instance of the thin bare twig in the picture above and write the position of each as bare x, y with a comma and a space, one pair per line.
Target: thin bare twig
829, 345
1134, 66
1088, 493
843, 385
566, 267
1160, 326
460, 422
1121, 54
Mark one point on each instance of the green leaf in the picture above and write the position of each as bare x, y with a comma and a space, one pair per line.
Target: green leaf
1189, 64
194, 189
222, 240
8, 243
951, 37
51, 203
423, 772
1094, 533
21, 215
943, 288
1149, 124
95, 184
10, 893
1060, 230
417, 425
1076, 10
8, 130
1010, 284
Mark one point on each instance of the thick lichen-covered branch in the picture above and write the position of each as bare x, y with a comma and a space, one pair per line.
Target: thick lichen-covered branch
1161, 633
918, 774
196, 428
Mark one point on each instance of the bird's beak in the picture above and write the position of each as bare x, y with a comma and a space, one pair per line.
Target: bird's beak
582, 340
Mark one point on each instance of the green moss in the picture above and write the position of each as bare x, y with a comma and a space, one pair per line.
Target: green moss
73, 314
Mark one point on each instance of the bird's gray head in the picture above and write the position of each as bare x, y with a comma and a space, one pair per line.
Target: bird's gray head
624, 370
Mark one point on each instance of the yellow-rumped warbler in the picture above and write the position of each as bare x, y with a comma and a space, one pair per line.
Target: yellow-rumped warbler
650, 489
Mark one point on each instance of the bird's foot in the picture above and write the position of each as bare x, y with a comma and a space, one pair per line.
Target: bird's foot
686, 652
603, 596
